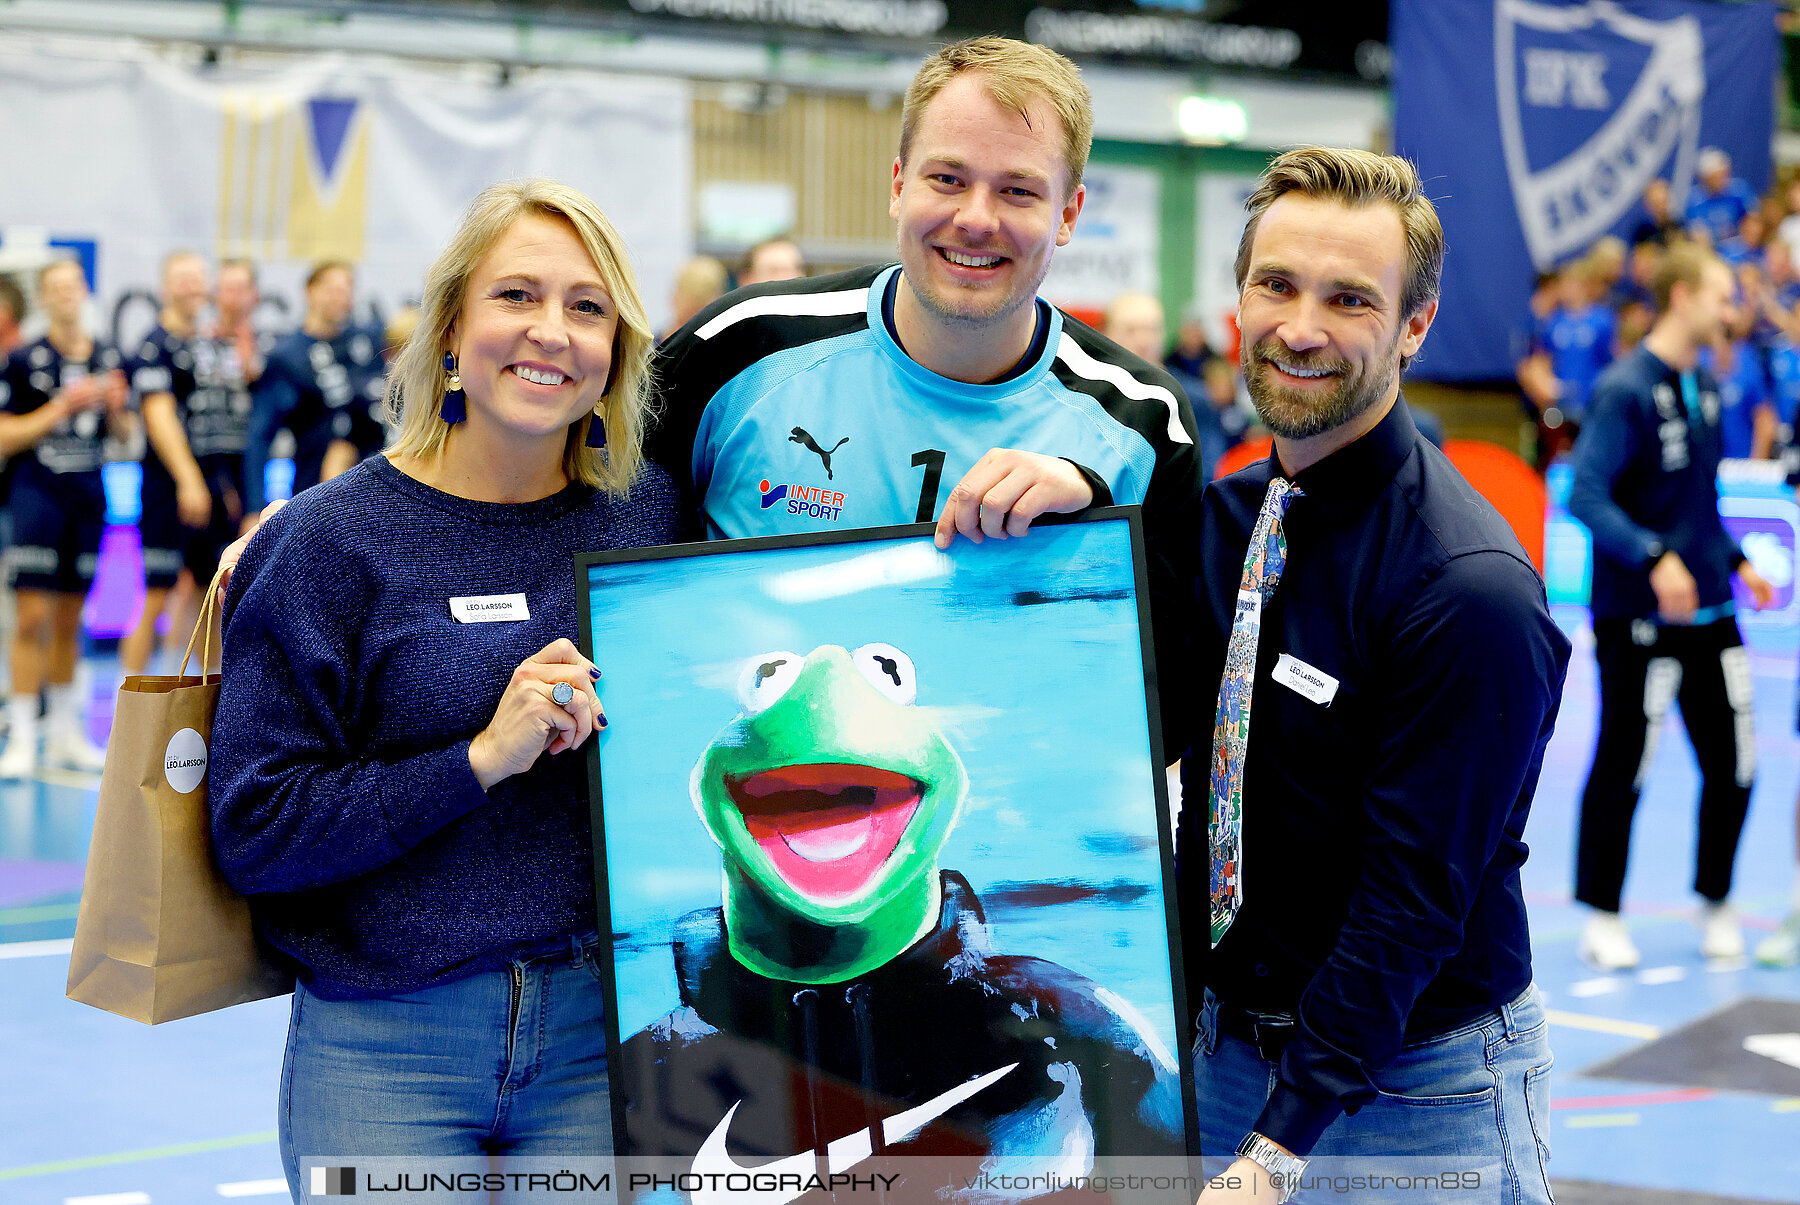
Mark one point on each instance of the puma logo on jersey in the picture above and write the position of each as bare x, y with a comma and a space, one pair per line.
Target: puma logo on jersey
800, 436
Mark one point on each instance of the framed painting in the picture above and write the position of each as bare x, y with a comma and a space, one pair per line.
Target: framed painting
882, 837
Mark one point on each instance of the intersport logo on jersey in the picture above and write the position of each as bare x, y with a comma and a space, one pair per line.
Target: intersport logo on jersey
1594, 102
806, 501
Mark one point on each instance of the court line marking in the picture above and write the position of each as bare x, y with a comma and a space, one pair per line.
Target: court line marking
1646, 915
36, 949
150, 1152
111, 1198
1790, 1105
1624, 1029
254, 1188
1656, 976
1593, 1121
67, 778
1582, 989
1668, 1096
40, 912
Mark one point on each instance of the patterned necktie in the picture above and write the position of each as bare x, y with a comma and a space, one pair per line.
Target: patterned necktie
1263, 564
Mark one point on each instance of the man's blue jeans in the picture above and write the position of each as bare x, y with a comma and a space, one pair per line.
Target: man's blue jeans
1462, 1116
506, 1062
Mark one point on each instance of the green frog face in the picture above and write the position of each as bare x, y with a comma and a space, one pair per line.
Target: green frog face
832, 794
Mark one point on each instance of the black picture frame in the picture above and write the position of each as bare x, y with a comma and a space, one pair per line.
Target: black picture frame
640, 613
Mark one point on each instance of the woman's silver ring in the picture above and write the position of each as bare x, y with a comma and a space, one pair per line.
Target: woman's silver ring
562, 694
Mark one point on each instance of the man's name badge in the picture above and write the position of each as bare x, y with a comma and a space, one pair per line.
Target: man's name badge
490, 608
1303, 679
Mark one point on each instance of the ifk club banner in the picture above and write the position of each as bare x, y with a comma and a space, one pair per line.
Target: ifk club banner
127, 157
1536, 126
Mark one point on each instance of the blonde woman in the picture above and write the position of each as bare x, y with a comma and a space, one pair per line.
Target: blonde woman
395, 778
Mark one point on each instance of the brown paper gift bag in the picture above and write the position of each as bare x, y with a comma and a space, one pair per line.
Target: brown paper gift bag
160, 935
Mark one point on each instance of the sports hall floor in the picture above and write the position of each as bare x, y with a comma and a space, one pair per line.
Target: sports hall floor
97, 1110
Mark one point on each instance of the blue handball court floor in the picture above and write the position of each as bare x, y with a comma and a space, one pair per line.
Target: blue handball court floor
1678, 1082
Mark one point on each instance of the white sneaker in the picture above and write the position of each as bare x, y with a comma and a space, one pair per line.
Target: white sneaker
72, 750
1782, 947
1721, 936
1606, 945
19, 760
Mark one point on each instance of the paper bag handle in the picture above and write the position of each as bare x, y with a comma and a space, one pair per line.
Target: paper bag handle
209, 608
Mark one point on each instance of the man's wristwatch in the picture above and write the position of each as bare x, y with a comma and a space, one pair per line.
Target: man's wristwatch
1284, 1169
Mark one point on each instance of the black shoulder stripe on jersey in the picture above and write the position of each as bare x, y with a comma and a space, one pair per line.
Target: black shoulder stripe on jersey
688, 370
691, 369
1171, 502
1148, 417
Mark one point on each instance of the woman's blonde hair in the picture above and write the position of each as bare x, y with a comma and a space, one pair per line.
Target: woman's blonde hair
416, 390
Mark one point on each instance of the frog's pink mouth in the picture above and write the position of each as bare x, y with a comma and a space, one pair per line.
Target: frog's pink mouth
828, 828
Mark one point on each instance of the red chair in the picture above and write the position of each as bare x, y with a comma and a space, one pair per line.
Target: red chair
1246, 453
1498, 475
1513, 486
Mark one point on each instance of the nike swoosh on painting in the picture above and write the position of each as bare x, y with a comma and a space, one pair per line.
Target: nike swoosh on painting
841, 1154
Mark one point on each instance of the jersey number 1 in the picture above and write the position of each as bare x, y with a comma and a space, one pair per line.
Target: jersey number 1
933, 460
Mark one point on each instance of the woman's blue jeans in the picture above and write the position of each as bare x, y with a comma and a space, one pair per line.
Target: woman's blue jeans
505, 1062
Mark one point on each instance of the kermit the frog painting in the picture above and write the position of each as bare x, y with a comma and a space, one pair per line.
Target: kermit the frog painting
848, 1001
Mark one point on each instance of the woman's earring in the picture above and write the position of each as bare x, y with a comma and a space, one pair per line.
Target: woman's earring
454, 409
596, 432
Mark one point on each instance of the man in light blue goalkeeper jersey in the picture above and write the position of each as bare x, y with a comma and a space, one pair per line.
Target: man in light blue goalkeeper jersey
942, 387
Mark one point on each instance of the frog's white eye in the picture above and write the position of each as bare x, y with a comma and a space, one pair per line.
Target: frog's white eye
765, 679
888, 670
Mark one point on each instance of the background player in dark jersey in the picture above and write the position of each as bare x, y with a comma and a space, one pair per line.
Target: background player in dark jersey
193, 387
1665, 628
324, 384
235, 303
12, 313
59, 398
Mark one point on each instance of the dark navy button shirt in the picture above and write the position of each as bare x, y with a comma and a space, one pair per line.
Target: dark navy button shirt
1383, 829
1646, 479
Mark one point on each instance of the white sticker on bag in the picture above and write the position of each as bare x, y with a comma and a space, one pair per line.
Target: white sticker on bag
490, 608
184, 763
1303, 679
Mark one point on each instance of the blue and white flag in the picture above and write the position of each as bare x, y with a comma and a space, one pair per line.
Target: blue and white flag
126, 156
1536, 126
